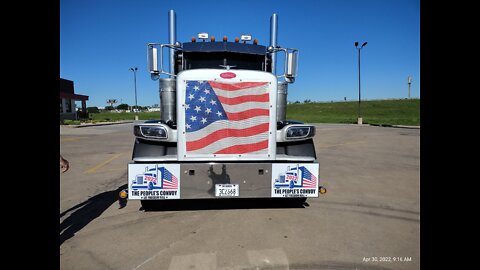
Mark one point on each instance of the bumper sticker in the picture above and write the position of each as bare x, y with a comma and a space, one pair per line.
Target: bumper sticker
295, 180
153, 181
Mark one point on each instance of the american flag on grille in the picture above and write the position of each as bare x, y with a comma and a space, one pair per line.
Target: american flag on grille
227, 118
309, 180
169, 180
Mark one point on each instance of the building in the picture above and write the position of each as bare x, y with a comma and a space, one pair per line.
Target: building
67, 102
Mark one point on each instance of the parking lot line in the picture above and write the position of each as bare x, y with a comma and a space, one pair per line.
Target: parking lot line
94, 169
71, 139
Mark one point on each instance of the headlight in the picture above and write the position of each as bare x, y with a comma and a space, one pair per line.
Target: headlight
299, 132
152, 132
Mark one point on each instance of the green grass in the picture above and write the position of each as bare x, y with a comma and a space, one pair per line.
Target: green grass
113, 116
377, 112
71, 122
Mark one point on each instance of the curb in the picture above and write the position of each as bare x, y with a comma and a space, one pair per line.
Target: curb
395, 126
97, 124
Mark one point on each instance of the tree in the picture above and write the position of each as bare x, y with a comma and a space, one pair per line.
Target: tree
93, 110
109, 108
123, 106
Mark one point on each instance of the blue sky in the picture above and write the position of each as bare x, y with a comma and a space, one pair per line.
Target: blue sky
101, 40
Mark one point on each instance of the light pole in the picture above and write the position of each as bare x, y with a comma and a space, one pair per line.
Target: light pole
135, 82
409, 83
359, 120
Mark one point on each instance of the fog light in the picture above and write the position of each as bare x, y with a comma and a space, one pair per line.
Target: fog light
123, 194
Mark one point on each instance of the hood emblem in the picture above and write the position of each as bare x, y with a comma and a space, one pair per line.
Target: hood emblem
228, 75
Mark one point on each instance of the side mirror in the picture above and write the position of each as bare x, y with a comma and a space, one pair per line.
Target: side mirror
153, 62
292, 58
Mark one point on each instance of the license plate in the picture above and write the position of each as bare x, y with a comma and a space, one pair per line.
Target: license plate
226, 190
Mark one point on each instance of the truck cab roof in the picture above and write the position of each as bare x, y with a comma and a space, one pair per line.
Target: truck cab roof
223, 46
217, 54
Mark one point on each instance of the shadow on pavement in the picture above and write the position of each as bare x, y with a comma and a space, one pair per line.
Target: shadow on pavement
222, 204
88, 211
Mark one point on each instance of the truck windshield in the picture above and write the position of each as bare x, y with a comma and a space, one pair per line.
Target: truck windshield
194, 60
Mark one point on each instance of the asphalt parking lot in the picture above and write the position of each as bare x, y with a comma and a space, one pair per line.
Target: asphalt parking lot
368, 219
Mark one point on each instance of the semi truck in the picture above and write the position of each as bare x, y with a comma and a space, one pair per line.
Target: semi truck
222, 132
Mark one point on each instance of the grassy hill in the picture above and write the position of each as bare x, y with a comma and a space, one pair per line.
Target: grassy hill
380, 112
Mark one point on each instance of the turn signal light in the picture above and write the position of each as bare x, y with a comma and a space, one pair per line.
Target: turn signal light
322, 190
123, 194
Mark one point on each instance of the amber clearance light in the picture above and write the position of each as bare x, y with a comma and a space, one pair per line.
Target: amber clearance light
123, 194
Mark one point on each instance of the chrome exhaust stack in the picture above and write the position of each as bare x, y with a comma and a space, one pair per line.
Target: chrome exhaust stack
273, 40
172, 37
168, 86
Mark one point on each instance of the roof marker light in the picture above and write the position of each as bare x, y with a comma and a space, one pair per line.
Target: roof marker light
212, 39
225, 38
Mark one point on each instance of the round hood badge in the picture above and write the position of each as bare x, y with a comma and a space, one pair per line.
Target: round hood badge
228, 75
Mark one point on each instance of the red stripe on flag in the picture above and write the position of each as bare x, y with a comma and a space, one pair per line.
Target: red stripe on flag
244, 148
236, 86
225, 133
171, 185
247, 114
243, 99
